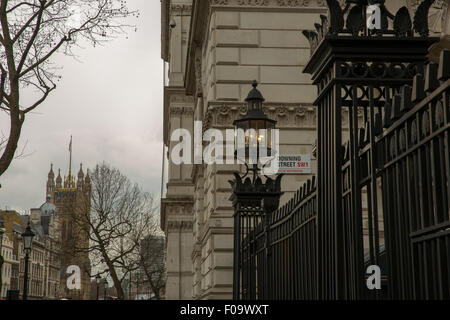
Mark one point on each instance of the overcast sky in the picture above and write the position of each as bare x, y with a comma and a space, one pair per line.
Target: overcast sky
110, 101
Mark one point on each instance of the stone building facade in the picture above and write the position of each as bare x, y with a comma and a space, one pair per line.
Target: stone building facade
214, 49
40, 285
7, 247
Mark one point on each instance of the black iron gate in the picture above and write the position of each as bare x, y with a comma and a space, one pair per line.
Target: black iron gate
382, 197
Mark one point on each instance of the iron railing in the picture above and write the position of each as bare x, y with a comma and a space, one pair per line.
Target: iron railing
383, 197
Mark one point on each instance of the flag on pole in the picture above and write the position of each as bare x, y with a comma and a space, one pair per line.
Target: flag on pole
70, 161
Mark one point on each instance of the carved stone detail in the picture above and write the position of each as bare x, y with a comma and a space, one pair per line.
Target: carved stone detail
185, 209
181, 8
270, 3
176, 110
179, 225
198, 72
222, 116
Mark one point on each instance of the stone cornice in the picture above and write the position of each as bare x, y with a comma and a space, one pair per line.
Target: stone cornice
180, 8
269, 3
175, 206
180, 226
289, 115
173, 96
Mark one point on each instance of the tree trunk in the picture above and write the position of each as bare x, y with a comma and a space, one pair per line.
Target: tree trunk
117, 282
11, 146
16, 121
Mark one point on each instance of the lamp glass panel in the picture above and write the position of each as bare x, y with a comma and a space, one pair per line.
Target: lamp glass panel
243, 125
27, 242
270, 126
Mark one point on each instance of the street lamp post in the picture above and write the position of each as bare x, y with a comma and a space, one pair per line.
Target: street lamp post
2, 232
97, 280
27, 236
105, 284
253, 201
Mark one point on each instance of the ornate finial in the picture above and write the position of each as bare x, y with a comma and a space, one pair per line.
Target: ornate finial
357, 26
51, 175
80, 173
254, 94
88, 178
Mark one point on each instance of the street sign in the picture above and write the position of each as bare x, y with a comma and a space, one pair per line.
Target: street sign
294, 164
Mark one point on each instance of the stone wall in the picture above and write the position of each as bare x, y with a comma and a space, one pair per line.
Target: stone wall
234, 43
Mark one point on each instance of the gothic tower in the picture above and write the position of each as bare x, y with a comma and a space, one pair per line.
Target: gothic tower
72, 199
51, 182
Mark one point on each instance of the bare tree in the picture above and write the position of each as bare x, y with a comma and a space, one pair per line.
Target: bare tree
152, 250
31, 33
120, 215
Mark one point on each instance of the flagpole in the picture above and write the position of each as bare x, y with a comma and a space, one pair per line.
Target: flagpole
70, 161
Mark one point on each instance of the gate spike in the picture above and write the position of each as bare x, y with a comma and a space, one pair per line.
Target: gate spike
431, 79
319, 31
345, 154
405, 99
378, 126
361, 136
366, 133
395, 110
387, 115
418, 90
444, 65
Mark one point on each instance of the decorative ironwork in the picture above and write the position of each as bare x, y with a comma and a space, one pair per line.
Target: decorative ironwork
352, 20
382, 197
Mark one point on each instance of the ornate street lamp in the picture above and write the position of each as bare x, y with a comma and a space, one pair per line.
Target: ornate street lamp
254, 133
253, 201
97, 280
27, 236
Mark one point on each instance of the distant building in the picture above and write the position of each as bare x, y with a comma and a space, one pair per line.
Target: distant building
7, 247
57, 236
39, 281
71, 198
